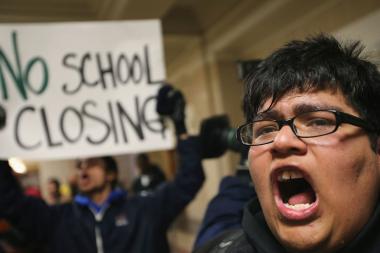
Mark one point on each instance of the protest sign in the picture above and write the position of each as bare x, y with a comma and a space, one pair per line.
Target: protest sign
73, 90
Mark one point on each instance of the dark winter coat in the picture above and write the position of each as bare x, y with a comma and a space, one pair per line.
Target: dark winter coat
255, 236
128, 225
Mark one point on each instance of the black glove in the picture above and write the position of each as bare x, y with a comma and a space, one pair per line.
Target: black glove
171, 103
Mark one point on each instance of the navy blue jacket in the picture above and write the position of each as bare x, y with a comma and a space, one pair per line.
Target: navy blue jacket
134, 224
225, 210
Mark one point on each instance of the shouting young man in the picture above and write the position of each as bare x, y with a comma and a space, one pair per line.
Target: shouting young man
313, 120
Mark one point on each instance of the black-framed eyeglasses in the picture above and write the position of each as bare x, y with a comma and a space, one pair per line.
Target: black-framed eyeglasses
304, 125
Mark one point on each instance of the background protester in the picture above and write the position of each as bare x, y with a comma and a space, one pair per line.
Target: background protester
150, 176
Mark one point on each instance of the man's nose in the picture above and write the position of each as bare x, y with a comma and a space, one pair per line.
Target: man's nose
286, 141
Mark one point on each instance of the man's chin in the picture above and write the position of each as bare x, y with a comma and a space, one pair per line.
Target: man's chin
91, 190
305, 241
85, 190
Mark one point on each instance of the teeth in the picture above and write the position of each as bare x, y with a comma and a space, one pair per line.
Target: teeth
285, 175
289, 174
298, 206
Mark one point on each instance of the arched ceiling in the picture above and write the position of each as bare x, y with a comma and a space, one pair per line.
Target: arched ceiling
180, 18
178, 15
228, 26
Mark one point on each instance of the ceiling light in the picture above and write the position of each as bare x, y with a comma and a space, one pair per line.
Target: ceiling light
17, 165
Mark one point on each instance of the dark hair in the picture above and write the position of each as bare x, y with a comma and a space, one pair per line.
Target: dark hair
143, 158
57, 184
111, 167
317, 63
110, 164
55, 181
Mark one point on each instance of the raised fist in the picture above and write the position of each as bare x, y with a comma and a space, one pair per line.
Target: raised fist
171, 103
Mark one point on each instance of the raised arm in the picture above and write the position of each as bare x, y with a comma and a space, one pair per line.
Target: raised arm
32, 216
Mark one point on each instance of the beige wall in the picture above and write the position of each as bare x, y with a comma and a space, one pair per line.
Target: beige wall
62, 170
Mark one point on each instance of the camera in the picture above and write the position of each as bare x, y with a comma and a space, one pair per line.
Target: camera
217, 137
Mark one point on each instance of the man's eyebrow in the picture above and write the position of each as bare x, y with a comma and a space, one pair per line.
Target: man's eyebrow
298, 109
302, 108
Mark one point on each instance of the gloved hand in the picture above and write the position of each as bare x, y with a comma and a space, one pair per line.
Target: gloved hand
171, 103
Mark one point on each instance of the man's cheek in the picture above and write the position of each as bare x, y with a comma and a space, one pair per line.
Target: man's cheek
257, 180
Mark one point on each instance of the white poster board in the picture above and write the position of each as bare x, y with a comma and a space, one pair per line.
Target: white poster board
74, 90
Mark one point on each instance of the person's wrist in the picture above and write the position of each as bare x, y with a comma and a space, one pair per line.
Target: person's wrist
180, 127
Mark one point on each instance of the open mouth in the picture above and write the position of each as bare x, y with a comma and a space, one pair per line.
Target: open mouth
84, 178
294, 190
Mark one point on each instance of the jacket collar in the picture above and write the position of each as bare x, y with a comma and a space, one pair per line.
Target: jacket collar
257, 230
262, 239
368, 240
116, 195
